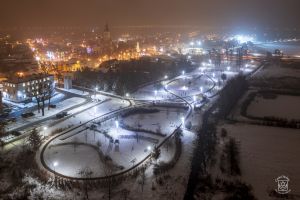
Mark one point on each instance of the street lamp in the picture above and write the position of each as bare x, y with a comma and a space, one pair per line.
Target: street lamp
96, 89
149, 148
55, 163
228, 68
166, 76
183, 72
127, 95
182, 120
45, 128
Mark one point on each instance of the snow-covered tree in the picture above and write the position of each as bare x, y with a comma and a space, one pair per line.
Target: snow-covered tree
34, 139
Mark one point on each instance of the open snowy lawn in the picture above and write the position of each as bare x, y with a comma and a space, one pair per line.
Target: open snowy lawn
267, 153
91, 146
283, 106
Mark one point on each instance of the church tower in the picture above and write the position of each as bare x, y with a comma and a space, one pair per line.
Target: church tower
138, 50
106, 33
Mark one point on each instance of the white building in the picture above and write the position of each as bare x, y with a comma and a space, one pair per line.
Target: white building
21, 89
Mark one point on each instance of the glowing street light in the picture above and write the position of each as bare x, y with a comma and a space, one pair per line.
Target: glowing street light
183, 72
194, 98
127, 94
228, 68
166, 76
149, 148
182, 120
45, 128
117, 123
55, 163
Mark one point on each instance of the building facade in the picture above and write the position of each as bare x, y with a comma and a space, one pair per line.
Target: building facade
22, 89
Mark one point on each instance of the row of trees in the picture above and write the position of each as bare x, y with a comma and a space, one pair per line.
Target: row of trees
126, 76
230, 94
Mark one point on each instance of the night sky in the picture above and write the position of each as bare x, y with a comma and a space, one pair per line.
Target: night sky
260, 13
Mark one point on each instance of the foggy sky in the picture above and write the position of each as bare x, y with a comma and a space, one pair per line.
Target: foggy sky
247, 13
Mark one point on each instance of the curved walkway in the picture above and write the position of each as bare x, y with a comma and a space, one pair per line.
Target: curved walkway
114, 113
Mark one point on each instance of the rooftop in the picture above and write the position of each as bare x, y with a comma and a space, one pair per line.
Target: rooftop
22, 79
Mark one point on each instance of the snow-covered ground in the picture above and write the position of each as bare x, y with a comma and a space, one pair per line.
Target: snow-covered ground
289, 48
56, 97
267, 153
60, 106
75, 91
276, 71
71, 159
282, 106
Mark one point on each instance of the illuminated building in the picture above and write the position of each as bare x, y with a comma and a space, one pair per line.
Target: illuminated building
18, 88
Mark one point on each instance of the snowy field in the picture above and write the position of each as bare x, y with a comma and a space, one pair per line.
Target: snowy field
288, 48
83, 147
185, 85
75, 91
277, 71
267, 153
190, 85
283, 106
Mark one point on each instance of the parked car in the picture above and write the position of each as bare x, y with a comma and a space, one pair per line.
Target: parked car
61, 115
27, 114
52, 106
15, 133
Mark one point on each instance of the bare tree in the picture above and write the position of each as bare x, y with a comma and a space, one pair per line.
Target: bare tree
86, 173
143, 177
2, 128
34, 139
43, 90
